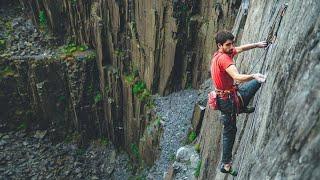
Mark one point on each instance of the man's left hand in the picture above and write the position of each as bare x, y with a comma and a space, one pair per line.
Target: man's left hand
261, 44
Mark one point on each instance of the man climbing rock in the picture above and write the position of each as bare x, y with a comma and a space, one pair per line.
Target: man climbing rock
231, 99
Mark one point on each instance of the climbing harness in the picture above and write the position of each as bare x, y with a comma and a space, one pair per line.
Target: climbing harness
271, 38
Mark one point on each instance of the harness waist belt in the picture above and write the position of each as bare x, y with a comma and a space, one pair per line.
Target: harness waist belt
224, 94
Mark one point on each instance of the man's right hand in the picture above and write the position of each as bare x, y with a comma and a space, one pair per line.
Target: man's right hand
259, 77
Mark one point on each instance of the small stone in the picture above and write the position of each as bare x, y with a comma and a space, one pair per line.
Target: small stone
22, 46
8, 158
5, 137
25, 143
22, 134
3, 142
28, 44
40, 134
183, 154
94, 178
49, 176
184, 169
194, 159
15, 23
78, 170
34, 177
13, 48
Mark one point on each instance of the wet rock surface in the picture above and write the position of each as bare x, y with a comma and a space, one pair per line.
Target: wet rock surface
33, 156
175, 111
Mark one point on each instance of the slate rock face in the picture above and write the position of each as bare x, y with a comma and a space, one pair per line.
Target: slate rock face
281, 139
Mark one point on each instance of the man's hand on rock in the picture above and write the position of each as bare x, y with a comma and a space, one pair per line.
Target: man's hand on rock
259, 77
261, 44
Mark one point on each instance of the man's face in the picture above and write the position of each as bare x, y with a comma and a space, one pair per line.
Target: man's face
226, 47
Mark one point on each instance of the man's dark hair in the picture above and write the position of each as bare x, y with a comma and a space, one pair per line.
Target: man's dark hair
223, 36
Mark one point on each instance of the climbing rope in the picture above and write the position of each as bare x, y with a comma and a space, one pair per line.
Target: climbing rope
272, 34
258, 60
271, 38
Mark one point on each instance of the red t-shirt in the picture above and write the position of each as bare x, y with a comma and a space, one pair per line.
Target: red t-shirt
219, 63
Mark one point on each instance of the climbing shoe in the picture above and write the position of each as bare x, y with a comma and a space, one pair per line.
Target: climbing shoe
231, 171
247, 110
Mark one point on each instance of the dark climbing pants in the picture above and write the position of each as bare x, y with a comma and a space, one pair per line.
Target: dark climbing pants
228, 117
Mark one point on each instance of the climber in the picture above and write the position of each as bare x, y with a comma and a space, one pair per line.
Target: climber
231, 99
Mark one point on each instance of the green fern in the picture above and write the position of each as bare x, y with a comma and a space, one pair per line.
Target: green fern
192, 136
135, 150
138, 87
42, 19
97, 98
197, 148
197, 170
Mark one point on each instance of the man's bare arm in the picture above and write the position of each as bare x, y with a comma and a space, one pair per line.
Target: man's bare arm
247, 47
233, 72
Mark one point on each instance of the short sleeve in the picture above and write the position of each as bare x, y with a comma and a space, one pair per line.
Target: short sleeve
225, 61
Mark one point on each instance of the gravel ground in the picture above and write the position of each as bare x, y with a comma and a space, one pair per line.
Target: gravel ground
176, 111
33, 156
